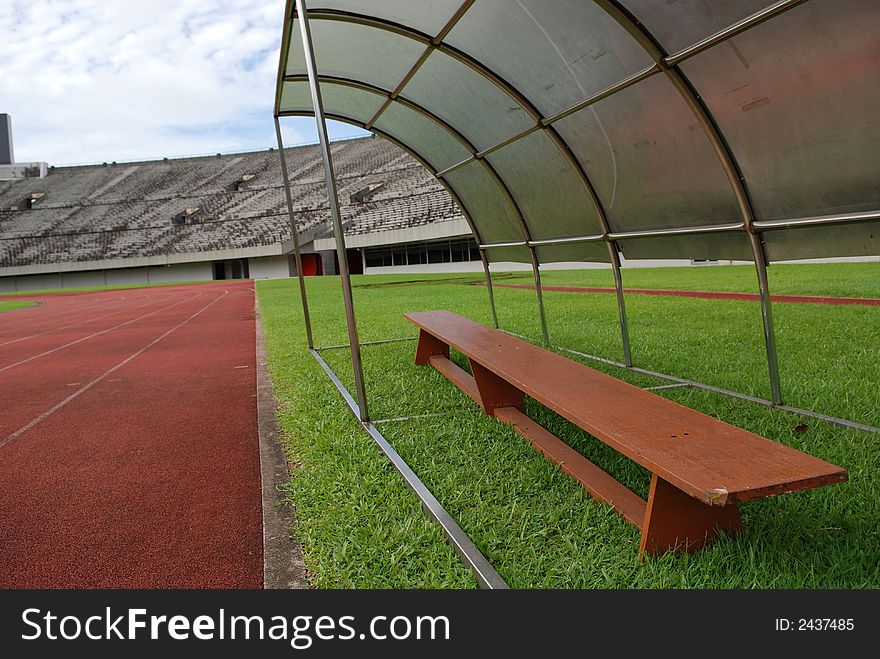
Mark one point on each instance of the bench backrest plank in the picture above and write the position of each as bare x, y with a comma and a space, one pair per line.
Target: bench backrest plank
707, 458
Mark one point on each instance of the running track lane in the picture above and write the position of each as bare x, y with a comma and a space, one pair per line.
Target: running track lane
707, 295
147, 473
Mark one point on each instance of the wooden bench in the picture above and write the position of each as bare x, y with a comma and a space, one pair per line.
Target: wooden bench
702, 468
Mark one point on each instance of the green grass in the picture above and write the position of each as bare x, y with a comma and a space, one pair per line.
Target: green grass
361, 527
92, 289
9, 305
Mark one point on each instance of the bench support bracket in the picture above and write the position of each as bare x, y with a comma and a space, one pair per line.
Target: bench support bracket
430, 346
677, 521
494, 391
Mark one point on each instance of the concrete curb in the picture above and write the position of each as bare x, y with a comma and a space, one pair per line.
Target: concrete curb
283, 564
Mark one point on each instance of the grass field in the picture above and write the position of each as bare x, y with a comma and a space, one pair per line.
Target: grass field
361, 527
9, 305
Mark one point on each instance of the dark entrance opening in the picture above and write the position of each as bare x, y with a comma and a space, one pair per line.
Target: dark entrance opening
355, 262
235, 269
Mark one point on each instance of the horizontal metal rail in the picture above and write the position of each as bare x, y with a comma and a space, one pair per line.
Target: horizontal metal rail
823, 220
368, 343
759, 226
467, 551
842, 423
732, 30
663, 387
433, 415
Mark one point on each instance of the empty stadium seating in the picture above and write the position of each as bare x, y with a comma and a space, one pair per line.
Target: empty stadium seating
126, 210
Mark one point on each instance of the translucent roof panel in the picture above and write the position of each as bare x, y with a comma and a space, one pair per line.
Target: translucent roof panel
792, 105
799, 101
862, 239
486, 200
356, 52
437, 145
596, 252
677, 24
428, 17
547, 188
462, 97
556, 59
733, 246
339, 100
508, 255
650, 160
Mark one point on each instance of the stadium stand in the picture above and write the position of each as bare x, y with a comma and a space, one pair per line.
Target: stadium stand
141, 214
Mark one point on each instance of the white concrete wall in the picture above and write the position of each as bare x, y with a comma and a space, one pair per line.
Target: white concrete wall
127, 277
80, 279
269, 267
181, 272
39, 282
116, 277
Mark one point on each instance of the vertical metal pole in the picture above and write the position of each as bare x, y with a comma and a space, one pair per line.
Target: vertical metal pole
485, 261
296, 253
767, 316
537, 271
621, 303
318, 103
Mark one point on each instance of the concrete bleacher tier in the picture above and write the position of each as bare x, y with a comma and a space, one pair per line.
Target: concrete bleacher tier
127, 210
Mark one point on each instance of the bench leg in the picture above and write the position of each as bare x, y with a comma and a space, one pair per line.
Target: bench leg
430, 346
677, 521
495, 392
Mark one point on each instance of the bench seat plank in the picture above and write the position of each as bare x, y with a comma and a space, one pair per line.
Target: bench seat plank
708, 459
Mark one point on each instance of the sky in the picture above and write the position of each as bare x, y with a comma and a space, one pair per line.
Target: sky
111, 80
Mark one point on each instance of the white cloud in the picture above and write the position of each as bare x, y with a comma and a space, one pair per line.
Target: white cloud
99, 80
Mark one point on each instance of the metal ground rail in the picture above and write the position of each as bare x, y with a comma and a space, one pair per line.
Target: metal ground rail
465, 548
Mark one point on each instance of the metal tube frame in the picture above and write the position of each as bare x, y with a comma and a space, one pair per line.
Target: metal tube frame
667, 64
485, 574
452, 193
536, 269
621, 303
335, 214
485, 261
293, 232
487, 166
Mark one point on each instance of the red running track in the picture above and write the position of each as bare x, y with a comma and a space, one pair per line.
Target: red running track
708, 295
129, 447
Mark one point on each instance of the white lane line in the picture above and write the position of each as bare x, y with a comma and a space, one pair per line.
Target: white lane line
65, 310
45, 415
84, 322
91, 336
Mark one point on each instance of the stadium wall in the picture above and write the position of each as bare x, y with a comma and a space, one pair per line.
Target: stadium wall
272, 267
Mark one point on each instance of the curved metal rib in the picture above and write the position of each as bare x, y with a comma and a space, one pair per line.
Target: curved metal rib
541, 123
728, 163
364, 86
663, 63
456, 198
489, 168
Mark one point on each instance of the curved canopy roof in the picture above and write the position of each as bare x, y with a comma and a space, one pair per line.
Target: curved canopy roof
666, 129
